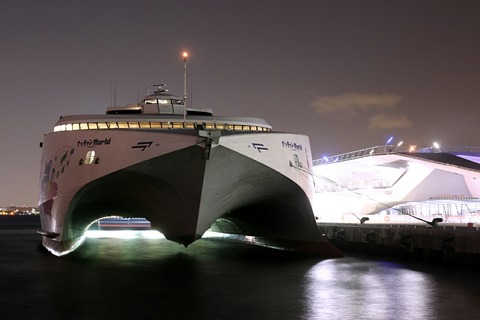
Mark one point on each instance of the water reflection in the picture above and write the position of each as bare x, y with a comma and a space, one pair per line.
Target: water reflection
145, 278
350, 288
222, 277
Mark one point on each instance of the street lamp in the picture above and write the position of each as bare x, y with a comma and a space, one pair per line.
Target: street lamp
398, 145
386, 143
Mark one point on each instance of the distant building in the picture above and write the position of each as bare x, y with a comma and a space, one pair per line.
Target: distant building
11, 211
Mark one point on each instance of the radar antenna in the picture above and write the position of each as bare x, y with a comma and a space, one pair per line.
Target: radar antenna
160, 88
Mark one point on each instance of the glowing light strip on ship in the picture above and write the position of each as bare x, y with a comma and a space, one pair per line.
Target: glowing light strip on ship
154, 125
137, 234
124, 234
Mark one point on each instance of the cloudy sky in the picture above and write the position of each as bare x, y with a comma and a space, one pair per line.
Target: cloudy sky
349, 74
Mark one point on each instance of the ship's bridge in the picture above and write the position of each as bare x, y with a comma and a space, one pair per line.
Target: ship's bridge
384, 184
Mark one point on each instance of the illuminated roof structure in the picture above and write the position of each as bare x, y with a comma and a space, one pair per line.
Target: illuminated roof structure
392, 186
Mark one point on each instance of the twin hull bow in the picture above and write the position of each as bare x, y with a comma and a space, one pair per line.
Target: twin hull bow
182, 181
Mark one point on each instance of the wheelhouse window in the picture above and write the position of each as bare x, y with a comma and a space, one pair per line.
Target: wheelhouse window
157, 101
156, 125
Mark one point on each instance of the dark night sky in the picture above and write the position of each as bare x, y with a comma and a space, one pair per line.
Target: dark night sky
348, 74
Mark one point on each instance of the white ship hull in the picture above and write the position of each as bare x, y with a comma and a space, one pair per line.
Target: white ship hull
182, 181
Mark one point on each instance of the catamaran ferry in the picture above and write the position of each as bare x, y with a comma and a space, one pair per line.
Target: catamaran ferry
183, 169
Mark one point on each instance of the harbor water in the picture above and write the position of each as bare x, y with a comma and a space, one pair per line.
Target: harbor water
138, 277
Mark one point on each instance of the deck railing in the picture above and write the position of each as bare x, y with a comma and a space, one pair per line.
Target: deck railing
386, 149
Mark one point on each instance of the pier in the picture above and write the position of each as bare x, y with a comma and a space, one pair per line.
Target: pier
449, 243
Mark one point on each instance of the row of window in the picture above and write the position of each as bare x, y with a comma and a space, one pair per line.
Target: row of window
155, 125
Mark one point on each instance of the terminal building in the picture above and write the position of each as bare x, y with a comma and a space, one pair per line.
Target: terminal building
389, 185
